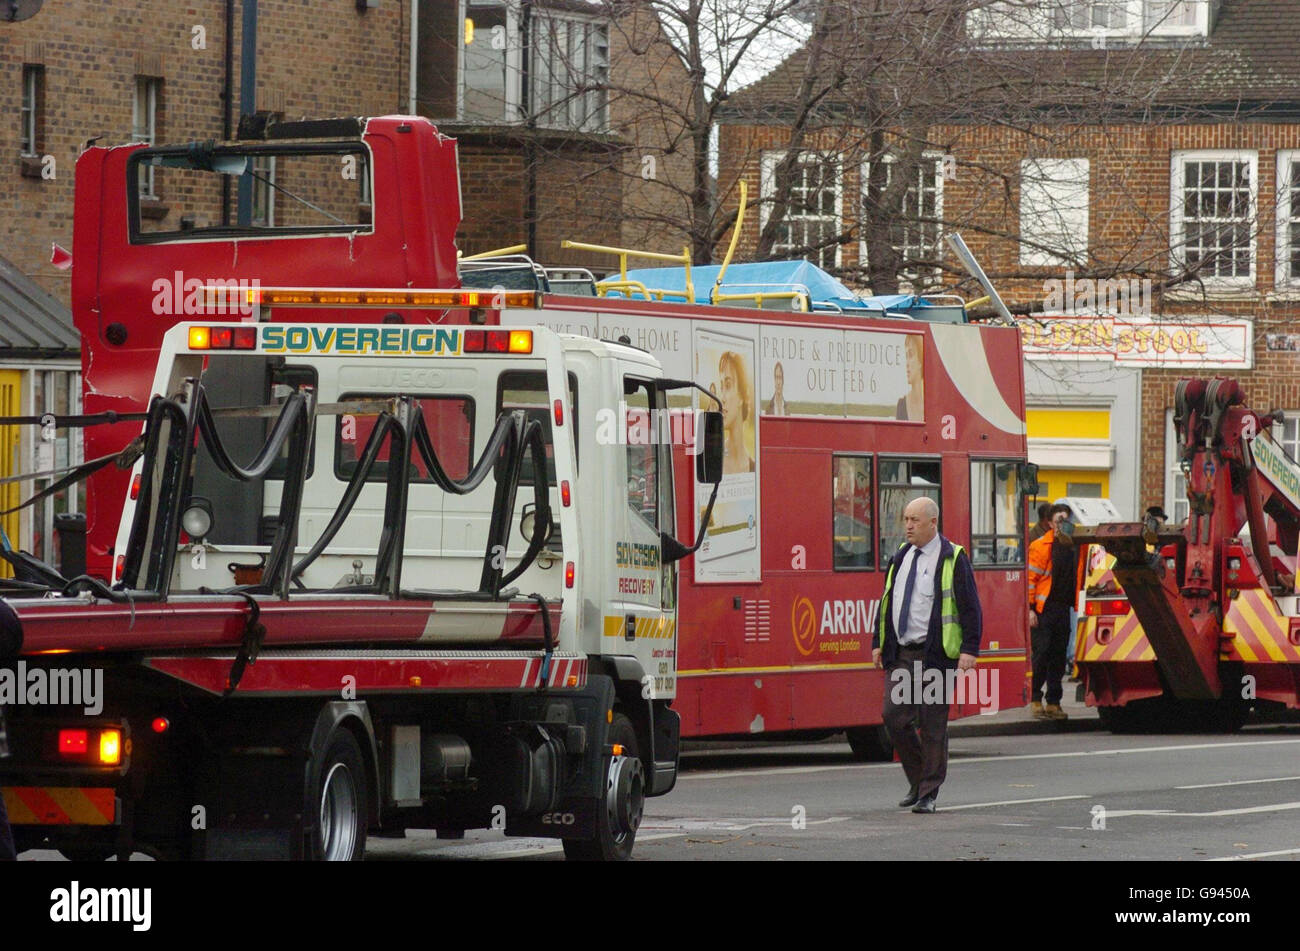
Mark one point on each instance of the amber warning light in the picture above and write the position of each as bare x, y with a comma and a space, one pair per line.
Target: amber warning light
222, 299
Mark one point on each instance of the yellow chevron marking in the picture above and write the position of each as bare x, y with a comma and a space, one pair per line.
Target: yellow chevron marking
653, 628
1129, 644
1253, 623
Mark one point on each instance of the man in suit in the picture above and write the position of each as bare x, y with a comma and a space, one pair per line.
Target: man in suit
929, 625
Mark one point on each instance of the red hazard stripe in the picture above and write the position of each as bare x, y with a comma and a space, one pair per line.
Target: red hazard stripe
60, 805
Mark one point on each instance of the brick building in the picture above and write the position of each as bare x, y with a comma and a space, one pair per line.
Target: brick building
1125, 171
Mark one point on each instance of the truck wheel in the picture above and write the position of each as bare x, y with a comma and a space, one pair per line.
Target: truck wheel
870, 744
618, 815
1120, 719
338, 801
87, 853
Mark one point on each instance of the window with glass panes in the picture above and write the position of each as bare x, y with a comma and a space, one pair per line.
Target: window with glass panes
812, 218
57, 392
29, 113
901, 481
144, 127
1213, 212
997, 530
914, 233
853, 541
1288, 217
570, 72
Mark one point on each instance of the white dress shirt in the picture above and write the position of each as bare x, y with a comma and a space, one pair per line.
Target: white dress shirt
918, 618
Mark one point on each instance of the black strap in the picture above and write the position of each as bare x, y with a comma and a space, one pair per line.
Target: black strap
548, 640
125, 459
254, 635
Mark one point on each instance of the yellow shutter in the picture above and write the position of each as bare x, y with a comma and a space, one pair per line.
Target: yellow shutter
10, 440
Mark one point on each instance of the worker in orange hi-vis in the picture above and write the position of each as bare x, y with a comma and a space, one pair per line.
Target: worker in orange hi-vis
1053, 580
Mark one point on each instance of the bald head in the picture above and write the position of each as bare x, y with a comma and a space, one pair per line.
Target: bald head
921, 520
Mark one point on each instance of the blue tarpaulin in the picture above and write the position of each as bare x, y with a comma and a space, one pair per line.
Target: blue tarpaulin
770, 277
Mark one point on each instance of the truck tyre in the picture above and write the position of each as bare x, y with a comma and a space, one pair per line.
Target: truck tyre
338, 801
614, 840
870, 744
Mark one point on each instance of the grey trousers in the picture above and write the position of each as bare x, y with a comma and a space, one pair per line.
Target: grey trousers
919, 731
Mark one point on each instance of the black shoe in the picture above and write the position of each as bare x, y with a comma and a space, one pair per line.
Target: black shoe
910, 799
925, 803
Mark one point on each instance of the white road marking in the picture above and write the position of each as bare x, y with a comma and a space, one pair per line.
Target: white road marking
687, 824
735, 774
1255, 855
1247, 810
1243, 782
1008, 802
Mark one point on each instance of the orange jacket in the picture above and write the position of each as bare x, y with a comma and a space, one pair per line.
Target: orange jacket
1039, 572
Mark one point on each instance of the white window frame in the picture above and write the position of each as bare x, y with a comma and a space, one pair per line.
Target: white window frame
768, 162
144, 127
1091, 11
1056, 207
1177, 234
580, 112
512, 110
1282, 278
864, 174
29, 111
1037, 22
1157, 23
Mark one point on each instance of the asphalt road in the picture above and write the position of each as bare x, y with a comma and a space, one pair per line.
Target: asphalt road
1077, 794
1017, 789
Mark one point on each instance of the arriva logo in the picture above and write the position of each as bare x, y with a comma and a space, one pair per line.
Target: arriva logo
834, 629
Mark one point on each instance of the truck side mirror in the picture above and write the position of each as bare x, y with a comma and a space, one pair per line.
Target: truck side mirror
708, 459
1027, 473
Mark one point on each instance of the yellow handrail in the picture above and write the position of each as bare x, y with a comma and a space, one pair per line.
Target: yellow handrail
624, 253
735, 237
497, 252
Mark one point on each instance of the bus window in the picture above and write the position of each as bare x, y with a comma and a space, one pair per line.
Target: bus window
851, 512
902, 480
526, 390
449, 420
996, 525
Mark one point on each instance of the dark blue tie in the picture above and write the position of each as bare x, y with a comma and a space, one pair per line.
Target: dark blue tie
905, 608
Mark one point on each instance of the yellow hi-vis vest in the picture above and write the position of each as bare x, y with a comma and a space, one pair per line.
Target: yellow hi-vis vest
948, 617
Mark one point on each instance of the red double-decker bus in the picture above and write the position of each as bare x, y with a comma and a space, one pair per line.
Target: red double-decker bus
834, 422
834, 418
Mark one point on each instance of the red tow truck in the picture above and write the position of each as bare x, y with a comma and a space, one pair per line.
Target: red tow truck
1191, 625
396, 646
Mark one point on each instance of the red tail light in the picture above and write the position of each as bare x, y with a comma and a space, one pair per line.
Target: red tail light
568, 574
1107, 606
559, 413
74, 742
565, 496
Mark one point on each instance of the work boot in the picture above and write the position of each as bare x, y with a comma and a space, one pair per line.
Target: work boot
1053, 711
1036, 709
